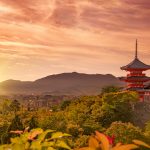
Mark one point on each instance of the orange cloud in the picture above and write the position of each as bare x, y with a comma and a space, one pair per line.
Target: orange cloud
92, 36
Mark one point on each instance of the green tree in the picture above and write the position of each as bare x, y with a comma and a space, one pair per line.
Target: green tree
147, 127
74, 129
16, 124
117, 107
4, 133
56, 121
15, 106
147, 132
5, 107
124, 132
64, 104
33, 123
110, 89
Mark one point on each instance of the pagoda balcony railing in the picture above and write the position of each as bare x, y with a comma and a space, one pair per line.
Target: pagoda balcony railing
136, 85
136, 74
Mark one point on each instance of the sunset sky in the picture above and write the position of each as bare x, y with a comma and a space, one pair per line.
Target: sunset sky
43, 37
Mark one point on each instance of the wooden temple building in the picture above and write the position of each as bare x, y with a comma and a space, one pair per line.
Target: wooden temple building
136, 80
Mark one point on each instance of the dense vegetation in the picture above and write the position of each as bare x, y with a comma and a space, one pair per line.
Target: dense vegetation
110, 113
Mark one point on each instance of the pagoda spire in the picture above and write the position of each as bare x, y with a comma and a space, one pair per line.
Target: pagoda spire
136, 49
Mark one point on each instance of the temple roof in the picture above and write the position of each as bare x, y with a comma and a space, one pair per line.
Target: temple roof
137, 89
138, 78
136, 64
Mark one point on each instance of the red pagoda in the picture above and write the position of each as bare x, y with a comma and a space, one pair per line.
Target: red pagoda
136, 79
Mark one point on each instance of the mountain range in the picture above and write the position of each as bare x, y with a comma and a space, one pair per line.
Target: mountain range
61, 84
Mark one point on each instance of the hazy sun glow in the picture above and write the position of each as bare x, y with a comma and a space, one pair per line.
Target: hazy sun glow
42, 37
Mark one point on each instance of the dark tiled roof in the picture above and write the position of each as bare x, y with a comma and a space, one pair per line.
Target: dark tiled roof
135, 89
137, 78
136, 64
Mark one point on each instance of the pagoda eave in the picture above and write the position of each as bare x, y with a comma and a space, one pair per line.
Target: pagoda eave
136, 80
134, 69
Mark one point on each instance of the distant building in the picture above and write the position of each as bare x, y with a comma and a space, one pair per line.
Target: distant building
136, 79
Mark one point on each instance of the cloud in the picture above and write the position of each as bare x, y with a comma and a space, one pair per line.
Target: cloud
53, 36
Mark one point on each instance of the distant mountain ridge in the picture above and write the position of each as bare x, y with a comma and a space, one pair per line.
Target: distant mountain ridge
61, 84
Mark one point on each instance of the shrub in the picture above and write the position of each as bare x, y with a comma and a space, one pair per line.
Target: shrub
124, 132
37, 139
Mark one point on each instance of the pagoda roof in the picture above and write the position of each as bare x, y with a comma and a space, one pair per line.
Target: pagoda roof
136, 89
136, 64
137, 78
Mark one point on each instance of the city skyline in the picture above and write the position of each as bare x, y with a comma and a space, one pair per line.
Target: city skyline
40, 38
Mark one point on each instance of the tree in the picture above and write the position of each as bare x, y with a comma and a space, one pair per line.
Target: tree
64, 104
4, 133
117, 107
15, 106
110, 89
16, 124
6, 107
124, 132
56, 121
33, 123
147, 127
147, 132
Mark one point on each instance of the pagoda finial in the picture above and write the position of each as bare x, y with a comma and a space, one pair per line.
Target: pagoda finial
136, 49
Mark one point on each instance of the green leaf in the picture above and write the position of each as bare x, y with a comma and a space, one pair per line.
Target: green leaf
50, 148
18, 147
24, 137
62, 144
48, 144
16, 140
34, 133
42, 136
58, 135
27, 145
36, 145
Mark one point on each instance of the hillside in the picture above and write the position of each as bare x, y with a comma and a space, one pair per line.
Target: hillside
60, 84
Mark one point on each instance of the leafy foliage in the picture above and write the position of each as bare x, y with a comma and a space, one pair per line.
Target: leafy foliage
37, 139
101, 142
110, 89
80, 117
15, 106
124, 132
117, 107
33, 122
16, 124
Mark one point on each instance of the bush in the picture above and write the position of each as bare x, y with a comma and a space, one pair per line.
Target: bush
124, 132
37, 139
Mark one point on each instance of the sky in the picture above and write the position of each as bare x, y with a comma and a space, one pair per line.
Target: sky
44, 37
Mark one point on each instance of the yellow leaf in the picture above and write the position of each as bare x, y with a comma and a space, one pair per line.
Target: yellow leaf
86, 148
118, 144
141, 143
125, 147
34, 133
93, 143
103, 139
